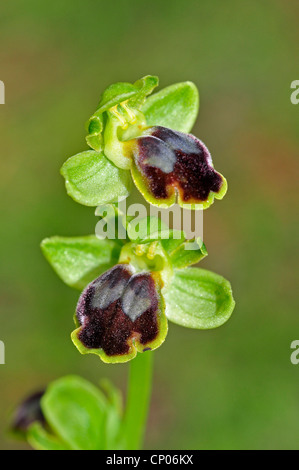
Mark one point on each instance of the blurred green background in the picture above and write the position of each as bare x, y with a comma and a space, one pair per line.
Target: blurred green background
232, 388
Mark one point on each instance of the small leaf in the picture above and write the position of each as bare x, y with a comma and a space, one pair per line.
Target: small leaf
91, 179
198, 298
189, 252
175, 107
40, 439
76, 410
78, 260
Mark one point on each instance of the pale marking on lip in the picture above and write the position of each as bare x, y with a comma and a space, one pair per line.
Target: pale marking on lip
185, 143
108, 290
135, 302
162, 155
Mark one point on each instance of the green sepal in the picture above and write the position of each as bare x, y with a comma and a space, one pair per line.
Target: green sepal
91, 179
76, 411
78, 260
40, 439
95, 127
197, 298
175, 107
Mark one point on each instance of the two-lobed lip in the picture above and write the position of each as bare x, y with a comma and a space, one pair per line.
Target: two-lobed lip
168, 162
118, 307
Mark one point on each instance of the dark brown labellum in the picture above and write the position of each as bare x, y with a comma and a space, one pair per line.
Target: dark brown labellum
169, 159
116, 308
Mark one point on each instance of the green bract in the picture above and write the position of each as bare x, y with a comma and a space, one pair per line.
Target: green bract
147, 136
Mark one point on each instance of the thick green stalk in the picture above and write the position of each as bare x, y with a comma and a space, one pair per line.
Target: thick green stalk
139, 392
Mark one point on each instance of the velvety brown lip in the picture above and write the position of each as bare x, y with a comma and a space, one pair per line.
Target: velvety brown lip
168, 158
117, 307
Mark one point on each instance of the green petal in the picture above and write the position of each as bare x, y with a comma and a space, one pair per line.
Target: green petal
175, 107
91, 179
188, 253
78, 260
75, 410
95, 127
174, 240
198, 298
122, 91
40, 439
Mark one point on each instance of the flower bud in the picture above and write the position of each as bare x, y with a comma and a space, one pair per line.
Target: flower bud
119, 313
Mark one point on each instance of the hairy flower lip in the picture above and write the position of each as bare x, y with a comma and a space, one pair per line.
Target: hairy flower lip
169, 163
120, 313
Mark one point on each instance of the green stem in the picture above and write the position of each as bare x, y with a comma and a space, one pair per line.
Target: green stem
139, 392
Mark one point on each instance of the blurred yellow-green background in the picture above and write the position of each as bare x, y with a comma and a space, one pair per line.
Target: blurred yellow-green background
231, 388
